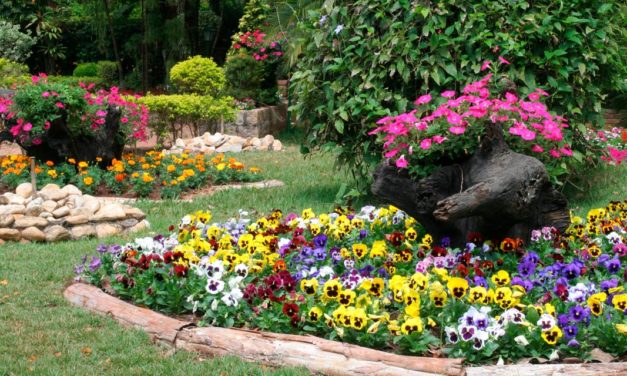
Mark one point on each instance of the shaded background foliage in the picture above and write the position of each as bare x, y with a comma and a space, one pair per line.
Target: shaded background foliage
361, 60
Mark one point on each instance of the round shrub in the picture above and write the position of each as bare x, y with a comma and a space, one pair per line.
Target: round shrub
198, 75
108, 72
365, 59
243, 75
16, 45
86, 70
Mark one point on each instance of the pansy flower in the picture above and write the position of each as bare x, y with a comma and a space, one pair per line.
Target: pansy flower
413, 325
552, 335
457, 287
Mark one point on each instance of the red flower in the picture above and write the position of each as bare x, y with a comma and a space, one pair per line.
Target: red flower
475, 237
180, 270
290, 309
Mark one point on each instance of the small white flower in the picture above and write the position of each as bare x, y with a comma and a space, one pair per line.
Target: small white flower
338, 29
521, 340
554, 356
214, 304
326, 271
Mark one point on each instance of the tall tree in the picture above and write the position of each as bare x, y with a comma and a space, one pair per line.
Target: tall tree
116, 52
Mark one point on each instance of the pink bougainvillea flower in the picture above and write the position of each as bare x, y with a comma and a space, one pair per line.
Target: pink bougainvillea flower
503, 61
390, 153
425, 144
510, 98
34, 79
555, 153
534, 96
45, 94
15, 130
438, 139
101, 113
566, 151
402, 162
47, 125
457, 130
485, 65
60, 105
423, 99
448, 94
124, 120
27, 127
537, 149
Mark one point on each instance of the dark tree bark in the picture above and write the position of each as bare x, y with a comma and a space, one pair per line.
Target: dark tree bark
192, 13
114, 42
496, 192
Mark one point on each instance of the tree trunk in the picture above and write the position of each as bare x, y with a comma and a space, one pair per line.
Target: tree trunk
192, 9
118, 60
496, 192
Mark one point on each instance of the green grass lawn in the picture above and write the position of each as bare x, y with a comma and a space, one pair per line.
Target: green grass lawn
41, 334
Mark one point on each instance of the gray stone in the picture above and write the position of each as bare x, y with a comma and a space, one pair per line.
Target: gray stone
33, 234
91, 203
104, 230
34, 211
25, 190
12, 209
13, 199
10, 234
134, 213
50, 187
63, 211
76, 219
111, 212
28, 221
56, 233
72, 190
83, 231
229, 148
141, 226
276, 145
6, 220
46, 215
74, 201
129, 222
81, 211
53, 194
49, 205
38, 201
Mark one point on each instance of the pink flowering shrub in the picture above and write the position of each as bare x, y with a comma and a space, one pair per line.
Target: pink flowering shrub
613, 142
258, 46
448, 128
35, 108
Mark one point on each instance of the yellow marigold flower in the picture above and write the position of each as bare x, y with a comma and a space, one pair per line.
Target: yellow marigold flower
309, 286
71, 161
314, 314
146, 178
189, 172
52, 174
457, 287
501, 278
146, 166
552, 335
88, 180
254, 170
360, 250
413, 325
82, 164
98, 159
135, 175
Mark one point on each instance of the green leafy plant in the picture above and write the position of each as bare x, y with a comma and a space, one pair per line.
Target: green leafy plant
16, 45
86, 70
198, 75
364, 60
12, 73
107, 71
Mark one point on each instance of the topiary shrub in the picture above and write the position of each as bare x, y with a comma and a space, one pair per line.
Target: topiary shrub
365, 59
86, 70
244, 76
198, 75
108, 72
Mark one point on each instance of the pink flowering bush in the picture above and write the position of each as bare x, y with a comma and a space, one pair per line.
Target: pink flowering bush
258, 46
612, 141
34, 109
449, 127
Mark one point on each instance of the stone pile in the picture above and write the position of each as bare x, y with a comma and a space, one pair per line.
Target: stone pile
56, 213
223, 143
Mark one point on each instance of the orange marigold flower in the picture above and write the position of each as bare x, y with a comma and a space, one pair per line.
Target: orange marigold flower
88, 180
82, 164
49, 163
119, 177
71, 161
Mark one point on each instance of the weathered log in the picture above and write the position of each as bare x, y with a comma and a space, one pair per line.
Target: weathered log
60, 144
159, 327
273, 349
496, 192
582, 369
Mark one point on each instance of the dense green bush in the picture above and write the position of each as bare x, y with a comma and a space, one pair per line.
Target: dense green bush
108, 72
76, 80
12, 73
169, 113
198, 75
365, 59
86, 70
243, 76
16, 46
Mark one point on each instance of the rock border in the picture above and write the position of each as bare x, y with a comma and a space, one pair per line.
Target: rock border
316, 354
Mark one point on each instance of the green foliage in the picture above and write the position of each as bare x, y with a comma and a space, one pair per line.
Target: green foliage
198, 75
170, 112
255, 14
243, 76
86, 70
108, 72
363, 60
12, 73
76, 80
16, 45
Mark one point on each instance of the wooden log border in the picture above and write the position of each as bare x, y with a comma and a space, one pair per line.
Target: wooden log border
316, 354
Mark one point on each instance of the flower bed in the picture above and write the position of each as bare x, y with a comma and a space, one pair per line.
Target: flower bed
152, 175
374, 278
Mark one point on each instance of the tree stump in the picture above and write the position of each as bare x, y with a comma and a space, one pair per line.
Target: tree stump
496, 192
59, 144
